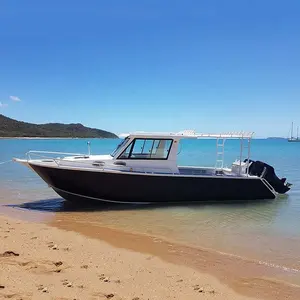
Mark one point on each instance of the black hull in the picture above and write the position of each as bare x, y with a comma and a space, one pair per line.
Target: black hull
80, 185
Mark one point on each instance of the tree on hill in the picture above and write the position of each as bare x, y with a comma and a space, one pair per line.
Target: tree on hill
13, 128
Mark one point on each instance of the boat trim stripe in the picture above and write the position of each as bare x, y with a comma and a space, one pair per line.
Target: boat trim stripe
98, 199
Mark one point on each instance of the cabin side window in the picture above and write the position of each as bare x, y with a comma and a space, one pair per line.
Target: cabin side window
123, 142
147, 149
125, 154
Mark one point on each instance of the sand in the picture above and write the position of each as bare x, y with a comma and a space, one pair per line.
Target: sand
42, 262
247, 277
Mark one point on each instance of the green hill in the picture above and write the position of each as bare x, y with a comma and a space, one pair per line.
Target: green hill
13, 128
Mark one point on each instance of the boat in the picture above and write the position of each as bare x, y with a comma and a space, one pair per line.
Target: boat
143, 169
292, 138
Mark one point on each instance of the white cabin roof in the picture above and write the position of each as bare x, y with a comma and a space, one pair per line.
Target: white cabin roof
189, 134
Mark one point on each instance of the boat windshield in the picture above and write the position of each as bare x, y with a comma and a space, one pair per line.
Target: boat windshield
119, 146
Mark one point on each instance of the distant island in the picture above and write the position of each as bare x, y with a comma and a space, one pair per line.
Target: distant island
276, 138
13, 128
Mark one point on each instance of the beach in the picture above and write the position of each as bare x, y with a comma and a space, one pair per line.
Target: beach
42, 262
150, 150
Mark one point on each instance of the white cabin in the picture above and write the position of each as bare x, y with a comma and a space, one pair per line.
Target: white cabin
156, 153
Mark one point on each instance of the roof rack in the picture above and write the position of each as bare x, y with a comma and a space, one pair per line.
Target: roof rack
193, 134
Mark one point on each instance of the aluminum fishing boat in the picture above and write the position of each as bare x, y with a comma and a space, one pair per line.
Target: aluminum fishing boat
143, 169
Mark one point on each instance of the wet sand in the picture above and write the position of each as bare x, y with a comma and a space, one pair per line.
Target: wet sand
246, 277
38, 261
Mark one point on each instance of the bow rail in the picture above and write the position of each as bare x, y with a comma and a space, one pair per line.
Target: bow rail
44, 154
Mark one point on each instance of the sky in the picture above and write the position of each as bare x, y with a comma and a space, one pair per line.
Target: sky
152, 65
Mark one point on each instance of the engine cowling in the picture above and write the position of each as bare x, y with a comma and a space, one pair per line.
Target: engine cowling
261, 169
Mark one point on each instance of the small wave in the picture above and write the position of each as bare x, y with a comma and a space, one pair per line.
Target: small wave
287, 269
261, 262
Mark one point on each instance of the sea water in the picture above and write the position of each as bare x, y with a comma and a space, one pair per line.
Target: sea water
266, 231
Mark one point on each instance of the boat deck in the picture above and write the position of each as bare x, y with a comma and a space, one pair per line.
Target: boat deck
205, 171
196, 171
183, 170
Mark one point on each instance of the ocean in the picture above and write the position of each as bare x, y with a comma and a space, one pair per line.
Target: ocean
266, 231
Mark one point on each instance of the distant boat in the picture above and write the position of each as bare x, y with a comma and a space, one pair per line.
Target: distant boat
292, 138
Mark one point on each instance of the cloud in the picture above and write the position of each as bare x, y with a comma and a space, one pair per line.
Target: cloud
15, 98
3, 104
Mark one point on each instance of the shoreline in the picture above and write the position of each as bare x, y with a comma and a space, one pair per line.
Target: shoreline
243, 278
246, 277
39, 261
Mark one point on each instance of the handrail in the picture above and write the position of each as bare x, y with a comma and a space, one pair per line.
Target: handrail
268, 185
265, 181
37, 153
53, 152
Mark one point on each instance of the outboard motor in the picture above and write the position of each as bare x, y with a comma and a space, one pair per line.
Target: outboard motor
261, 169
